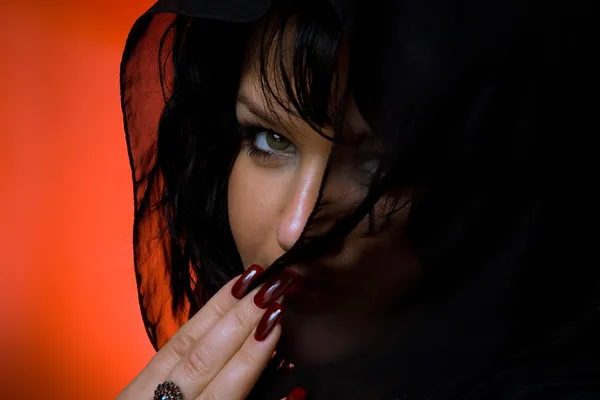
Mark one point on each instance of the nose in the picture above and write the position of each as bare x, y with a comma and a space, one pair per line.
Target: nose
302, 197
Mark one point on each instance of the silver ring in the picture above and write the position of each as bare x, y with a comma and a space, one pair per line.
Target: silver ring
167, 391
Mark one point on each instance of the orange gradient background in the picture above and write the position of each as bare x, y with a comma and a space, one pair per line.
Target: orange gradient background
70, 326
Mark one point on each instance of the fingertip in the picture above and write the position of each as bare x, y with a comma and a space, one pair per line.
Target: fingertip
297, 394
245, 281
271, 339
269, 321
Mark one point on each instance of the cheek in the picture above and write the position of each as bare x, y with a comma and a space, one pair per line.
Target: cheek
386, 266
252, 205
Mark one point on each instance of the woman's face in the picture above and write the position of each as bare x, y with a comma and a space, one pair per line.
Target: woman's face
345, 298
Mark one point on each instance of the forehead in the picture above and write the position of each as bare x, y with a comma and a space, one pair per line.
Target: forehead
274, 78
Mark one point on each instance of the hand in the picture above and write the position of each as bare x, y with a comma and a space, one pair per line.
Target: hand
221, 351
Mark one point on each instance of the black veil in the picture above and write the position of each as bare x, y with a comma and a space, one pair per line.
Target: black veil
487, 107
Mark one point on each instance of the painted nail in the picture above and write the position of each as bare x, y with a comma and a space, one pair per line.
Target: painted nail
273, 289
297, 394
241, 286
268, 321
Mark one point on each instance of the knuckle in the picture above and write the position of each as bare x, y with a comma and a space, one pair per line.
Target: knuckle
180, 345
239, 319
248, 357
197, 362
219, 310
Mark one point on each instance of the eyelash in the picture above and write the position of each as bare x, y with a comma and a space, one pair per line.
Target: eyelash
248, 132
253, 151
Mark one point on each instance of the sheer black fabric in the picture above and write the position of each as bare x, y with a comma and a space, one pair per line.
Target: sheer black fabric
484, 110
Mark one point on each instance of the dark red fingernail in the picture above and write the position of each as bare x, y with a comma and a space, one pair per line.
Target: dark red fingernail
268, 321
241, 286
296, 394
273, 289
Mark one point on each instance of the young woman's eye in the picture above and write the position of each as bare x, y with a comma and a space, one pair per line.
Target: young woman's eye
269, 141
266, 145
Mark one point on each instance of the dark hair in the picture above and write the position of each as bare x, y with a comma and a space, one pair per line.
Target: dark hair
474, 113
198, 137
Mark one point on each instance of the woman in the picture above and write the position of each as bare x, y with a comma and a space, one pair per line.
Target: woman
402, 184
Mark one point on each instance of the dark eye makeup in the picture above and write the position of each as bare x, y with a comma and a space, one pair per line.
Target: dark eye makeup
264, 143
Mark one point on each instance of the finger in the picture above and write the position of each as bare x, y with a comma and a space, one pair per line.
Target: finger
217, 346
223, 301
240, 374
296, 394
173, 351
183, 340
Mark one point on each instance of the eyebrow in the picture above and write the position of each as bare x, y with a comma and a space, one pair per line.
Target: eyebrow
255, 109
271, 121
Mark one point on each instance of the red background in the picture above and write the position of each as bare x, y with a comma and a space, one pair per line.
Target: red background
70, 326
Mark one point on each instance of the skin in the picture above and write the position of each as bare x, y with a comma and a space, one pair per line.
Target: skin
270, 199
348, 299
214, 355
